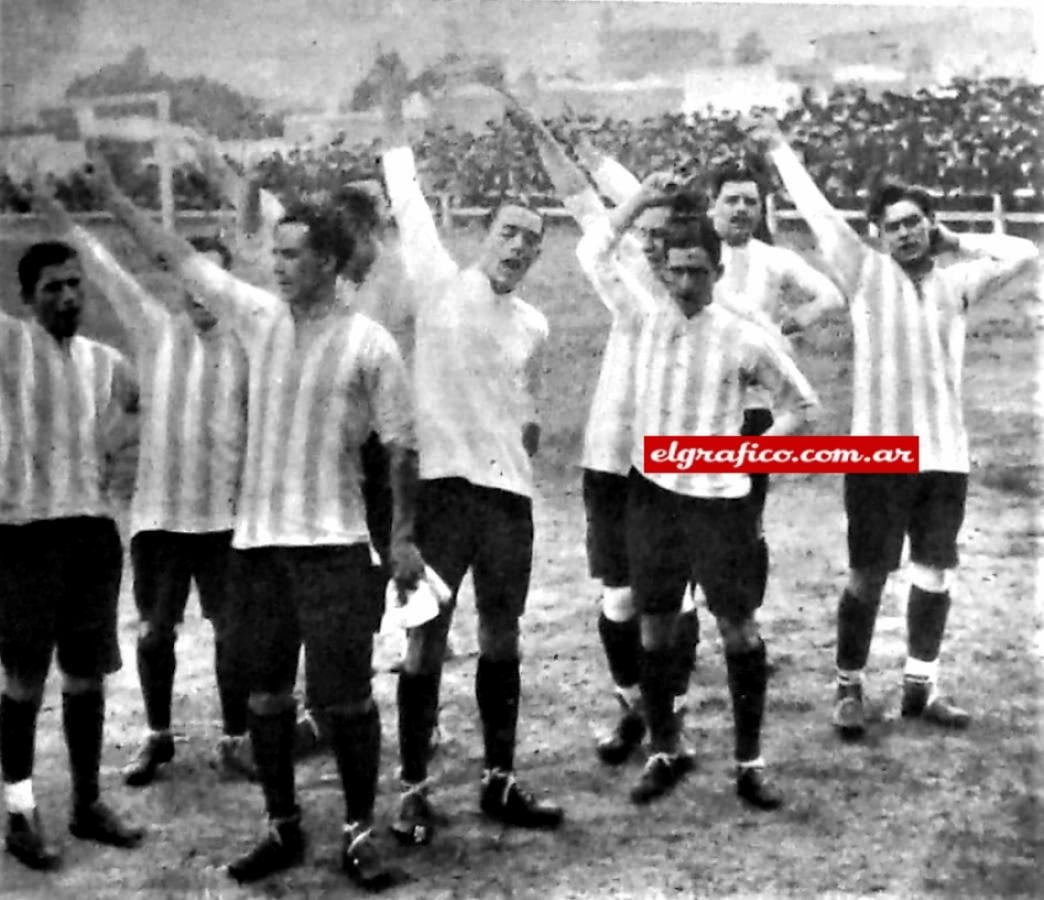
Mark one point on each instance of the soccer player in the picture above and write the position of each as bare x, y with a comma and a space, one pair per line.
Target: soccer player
321, 378
606, 458
476, 372
772, 286
65, 401
908, 315
192, 373
695, 361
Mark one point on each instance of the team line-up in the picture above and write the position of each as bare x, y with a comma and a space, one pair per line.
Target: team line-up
291, 463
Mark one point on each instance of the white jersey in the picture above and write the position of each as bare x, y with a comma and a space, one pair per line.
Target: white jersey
317, 388
692, 374
193, 401
908, 338
477, 355
63, 407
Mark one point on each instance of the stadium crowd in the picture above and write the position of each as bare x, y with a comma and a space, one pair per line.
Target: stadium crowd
964, 141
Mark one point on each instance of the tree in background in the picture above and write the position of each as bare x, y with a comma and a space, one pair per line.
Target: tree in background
200, 102
750, 50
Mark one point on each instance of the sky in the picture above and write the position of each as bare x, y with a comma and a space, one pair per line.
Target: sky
298, 51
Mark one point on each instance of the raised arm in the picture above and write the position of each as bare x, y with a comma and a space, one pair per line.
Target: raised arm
140, 314
814, 293
242, 304
570, 182
425, 258
842, 249
611, 177
989, 262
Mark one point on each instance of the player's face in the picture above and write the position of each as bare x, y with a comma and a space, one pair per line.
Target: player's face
652, 229
202, 317
57, 299
300, 273
906, 232
511, 247
691, 280
736, 211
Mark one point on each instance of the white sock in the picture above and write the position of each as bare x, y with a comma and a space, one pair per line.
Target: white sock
921, 670
849, 677
18, 796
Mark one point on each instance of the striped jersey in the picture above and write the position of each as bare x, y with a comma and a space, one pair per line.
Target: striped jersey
692, 375
193, 401
317, 387
609, 435
64, 408
477, 356
908, 336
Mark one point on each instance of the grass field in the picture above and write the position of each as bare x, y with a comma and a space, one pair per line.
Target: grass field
910, 812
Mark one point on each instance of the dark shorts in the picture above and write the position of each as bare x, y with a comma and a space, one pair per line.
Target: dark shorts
320, 597
755, 422
673, 539
605, 505
461, 525
883, 509
60, 587
166, 562
377, 494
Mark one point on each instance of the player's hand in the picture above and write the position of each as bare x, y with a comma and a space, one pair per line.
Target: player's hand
48, 207
658, 189
407, 565
943, 240
531, 438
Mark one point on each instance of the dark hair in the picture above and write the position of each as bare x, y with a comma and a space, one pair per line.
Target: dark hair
737, 170
37, 258
695, 231
886, 191
211, 244
330, 231
513, 200
359, 206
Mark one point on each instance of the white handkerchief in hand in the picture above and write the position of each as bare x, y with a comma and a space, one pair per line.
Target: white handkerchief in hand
422, 604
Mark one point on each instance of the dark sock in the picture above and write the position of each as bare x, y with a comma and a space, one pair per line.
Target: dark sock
747, 679
623, 649
498, 685
658, 699
83, 718
156, 664
686, 639
356, 742
418, 697
926, 613
232, 693
17, 738
272, 738
855, 630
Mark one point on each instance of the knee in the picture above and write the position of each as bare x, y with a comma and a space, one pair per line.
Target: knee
75, 684
25, 687
928, 578
739, 635
152, 636
498, 637
426, 647
658, 631
269, 704
867, 584
618, 604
